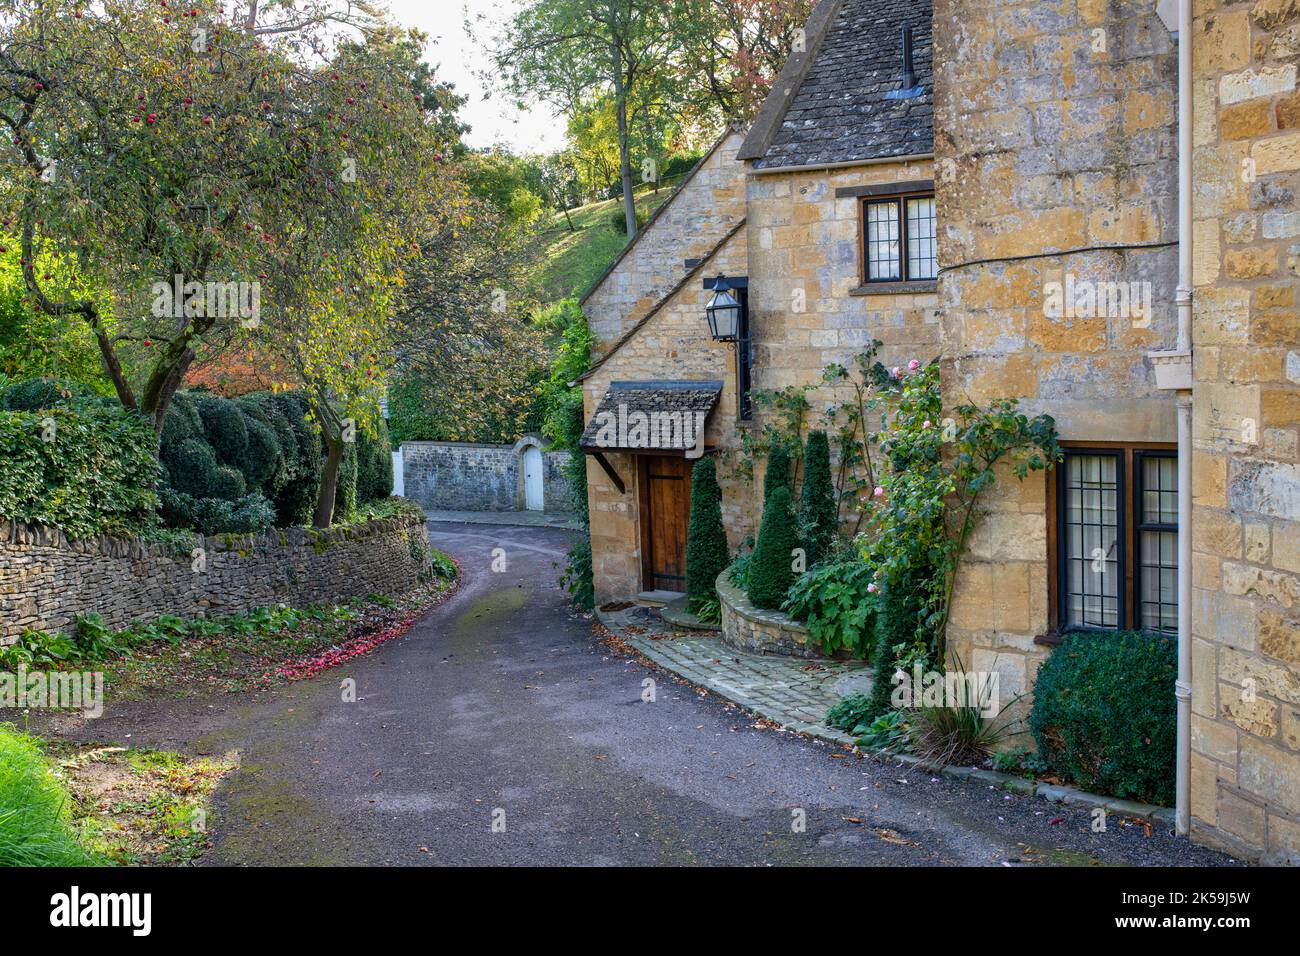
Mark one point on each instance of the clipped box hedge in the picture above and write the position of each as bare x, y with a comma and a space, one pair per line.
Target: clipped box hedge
1104, 714
88, 471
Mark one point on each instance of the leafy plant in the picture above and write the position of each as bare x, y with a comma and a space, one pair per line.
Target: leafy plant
850, 714
835, 599
1104, 714
87, 471
887, 732
709, 609
956, 733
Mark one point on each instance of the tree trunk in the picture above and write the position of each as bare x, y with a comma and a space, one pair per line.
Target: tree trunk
624, 147
329, 482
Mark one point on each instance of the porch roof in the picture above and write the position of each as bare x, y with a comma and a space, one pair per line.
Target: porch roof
655, 415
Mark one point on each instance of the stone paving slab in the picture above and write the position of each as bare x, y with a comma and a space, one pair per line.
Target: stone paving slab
790, 691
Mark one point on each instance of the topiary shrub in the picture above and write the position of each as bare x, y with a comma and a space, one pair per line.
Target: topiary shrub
192, 467
778, 470
771, 571
1104, 714
818, 515
706, 539
224, 428
263, 461
902, 606
228, 484
183, 422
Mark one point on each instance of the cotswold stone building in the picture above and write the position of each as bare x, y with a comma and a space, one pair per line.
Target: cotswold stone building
1023, 198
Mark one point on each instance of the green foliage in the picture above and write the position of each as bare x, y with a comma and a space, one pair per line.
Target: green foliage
374, 465
618, 219
778, 470
243, 465
706, 541
577, 576
35, 346
837, 602
889, 731
851, 714
901, 604
738, 573
38, 394
936, 470
34, 808
87, 472
1104, 714
818, 512
345, 492
957, 733
772, 572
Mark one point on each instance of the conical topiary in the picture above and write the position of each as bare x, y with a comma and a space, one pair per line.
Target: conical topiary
771, 570
778, 470
818, 515
706, 539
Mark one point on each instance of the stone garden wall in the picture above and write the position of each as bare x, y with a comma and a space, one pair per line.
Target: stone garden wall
46, 580
747, 628
460, 476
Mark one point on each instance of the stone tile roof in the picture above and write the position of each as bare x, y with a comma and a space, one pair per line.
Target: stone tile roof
657, 415
839, 112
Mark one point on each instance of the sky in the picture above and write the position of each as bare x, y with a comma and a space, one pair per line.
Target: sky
493, 120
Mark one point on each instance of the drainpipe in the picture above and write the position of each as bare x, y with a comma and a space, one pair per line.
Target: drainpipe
1173, 372
1183, 300
1183, 685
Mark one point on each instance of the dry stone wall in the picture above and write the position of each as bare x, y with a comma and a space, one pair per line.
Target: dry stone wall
46, 581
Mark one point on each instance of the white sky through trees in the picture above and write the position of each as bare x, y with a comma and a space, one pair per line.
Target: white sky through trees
459, 60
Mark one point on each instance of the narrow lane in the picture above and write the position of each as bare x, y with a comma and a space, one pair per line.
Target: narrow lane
503, 707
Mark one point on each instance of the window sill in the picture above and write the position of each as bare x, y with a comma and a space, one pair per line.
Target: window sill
894, 288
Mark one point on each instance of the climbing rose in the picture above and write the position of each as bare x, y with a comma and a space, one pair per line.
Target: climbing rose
913, 365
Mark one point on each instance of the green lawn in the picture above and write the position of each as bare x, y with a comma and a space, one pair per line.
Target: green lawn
568, 262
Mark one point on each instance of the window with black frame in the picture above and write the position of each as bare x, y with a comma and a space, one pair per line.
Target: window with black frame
898, 238
1117, 539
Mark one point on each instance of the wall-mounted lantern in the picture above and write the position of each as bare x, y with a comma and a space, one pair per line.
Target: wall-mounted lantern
723, 312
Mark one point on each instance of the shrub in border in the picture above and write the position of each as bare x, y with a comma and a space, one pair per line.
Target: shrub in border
1104, 714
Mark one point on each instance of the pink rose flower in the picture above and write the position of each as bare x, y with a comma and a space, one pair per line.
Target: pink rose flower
913, 365
879, 492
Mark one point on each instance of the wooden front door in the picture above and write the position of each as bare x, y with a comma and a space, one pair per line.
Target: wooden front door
665, 515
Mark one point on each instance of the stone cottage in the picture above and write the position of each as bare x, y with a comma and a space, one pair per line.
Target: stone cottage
1066, 205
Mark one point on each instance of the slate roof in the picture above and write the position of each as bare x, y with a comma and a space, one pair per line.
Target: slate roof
839, 112
678, 407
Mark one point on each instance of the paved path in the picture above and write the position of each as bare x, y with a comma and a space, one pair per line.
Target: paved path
502, 704
794, 692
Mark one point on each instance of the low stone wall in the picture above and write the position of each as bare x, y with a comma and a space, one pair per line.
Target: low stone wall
46, 580
748, 628
460, 476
